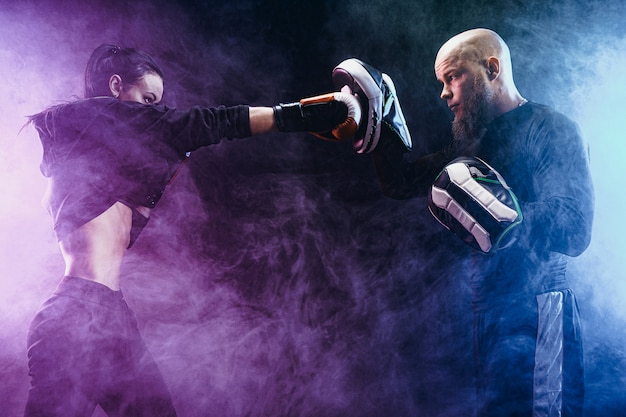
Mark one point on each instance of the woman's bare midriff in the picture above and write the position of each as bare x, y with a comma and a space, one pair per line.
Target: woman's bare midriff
95, 250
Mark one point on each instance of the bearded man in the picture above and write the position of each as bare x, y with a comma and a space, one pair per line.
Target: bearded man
526, 327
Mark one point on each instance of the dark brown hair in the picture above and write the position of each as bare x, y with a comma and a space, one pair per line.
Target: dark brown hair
129, 63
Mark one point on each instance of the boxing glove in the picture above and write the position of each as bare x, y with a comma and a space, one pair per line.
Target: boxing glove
333, 116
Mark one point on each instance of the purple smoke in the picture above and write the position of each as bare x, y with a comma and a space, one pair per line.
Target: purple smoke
274, 278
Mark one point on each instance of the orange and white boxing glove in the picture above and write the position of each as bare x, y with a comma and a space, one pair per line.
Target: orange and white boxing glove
333, 116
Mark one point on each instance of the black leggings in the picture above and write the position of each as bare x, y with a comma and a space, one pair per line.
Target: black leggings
84, 350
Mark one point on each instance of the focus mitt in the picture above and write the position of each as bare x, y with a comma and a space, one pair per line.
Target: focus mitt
471, 199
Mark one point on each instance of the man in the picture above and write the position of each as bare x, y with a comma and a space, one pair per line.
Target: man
526, 328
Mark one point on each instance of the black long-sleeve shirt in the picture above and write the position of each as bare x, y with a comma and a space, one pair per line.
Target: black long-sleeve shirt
99, 151
542, 157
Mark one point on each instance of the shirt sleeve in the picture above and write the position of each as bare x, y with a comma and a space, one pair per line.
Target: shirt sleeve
183, 130
191, 129
560, 215
401, 178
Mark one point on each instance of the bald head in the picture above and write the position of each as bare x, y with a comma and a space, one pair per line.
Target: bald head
477, 63
475, 44
478, 46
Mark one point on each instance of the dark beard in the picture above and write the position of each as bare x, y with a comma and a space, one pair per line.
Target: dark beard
476, 114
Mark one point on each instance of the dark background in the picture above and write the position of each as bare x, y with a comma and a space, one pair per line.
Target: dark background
274, 278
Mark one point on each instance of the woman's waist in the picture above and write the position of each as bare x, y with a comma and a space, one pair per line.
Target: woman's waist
95, 250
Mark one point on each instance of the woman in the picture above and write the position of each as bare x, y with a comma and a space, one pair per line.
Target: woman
108, 159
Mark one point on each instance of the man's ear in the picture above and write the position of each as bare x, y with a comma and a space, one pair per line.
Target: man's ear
493, 67
115, 85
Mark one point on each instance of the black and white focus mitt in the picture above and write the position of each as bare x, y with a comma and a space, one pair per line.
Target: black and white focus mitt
472, 200
382, 115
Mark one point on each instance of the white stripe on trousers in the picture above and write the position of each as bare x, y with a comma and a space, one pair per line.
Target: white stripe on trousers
548, 373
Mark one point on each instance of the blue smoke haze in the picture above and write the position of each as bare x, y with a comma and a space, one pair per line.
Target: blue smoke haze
274, 277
